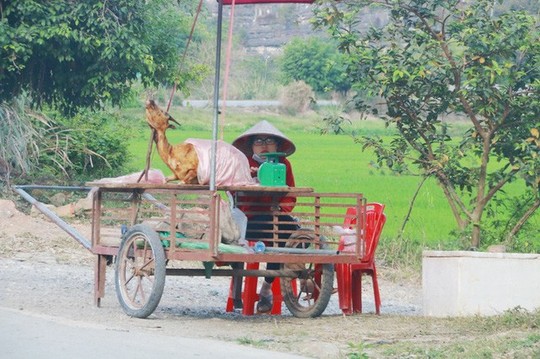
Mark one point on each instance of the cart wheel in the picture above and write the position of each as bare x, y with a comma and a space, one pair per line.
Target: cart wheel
140, 271
309, 294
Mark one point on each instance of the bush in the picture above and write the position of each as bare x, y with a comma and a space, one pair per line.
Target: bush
19, 150
92, 145
296, 98
52, 149
316, 61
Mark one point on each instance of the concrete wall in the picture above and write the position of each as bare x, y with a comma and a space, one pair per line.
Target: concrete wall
463, 283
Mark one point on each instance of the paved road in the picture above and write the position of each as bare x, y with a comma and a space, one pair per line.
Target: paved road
26, 335
246, 103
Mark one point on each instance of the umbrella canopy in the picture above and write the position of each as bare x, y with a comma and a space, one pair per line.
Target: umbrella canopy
239, 2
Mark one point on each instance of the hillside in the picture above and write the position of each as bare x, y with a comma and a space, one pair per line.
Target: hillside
265, 28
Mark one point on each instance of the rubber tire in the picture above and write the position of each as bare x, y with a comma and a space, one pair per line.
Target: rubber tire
126, 264
325, 285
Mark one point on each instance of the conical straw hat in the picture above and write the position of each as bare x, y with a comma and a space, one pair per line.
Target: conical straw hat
243, 142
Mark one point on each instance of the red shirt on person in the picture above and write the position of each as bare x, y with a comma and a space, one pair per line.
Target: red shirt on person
286, 203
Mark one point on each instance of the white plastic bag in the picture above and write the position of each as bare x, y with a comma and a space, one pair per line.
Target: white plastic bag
348, 239
240, 218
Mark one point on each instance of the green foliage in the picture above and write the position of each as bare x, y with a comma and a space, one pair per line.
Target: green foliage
53, 149
251, 342
404, 254
512, 334
19, 141
356, 351
87, 53
316, 62
516, 318
296, 98
502, 215
255, 77
334, 120
435, 58
95, 144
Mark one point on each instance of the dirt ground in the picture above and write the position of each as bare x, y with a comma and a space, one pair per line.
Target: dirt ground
46, 272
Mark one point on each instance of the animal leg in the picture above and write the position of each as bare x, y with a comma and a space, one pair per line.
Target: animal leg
191, 177
171, 178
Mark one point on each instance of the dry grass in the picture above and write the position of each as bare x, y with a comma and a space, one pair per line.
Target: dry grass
18, 138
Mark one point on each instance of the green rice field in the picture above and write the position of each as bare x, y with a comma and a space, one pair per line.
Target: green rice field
334, 163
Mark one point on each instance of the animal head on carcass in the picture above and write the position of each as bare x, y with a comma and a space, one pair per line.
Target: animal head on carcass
158, 119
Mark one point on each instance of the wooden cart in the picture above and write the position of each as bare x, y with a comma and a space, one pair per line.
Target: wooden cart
153, 231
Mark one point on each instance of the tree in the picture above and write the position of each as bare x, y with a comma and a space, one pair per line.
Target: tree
317, 63
71, 55
436, 58
74, 54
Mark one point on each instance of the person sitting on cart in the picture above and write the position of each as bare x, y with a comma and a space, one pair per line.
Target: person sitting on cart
263, 138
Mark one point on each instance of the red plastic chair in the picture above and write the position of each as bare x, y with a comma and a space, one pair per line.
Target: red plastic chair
349, 276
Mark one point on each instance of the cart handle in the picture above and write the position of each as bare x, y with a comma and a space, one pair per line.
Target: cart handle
53, 216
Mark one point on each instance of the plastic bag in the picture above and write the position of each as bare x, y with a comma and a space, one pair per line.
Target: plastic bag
240, 218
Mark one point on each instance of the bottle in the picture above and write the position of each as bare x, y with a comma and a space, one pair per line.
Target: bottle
259, 247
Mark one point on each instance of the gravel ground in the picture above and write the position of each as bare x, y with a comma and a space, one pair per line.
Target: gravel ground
46, 272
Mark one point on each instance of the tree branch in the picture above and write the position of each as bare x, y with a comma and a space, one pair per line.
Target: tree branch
517, 227
411, 205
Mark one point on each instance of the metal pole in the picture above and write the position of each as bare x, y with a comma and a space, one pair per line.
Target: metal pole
234, 272
300, 250
60, 188
53, 216
216, 98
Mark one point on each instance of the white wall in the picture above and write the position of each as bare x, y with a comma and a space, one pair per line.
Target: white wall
463, 283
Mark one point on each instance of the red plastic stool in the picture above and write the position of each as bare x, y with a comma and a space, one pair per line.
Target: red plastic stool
250, 296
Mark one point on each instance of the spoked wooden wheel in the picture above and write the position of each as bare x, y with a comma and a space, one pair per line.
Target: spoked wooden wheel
140, 271
307, 295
